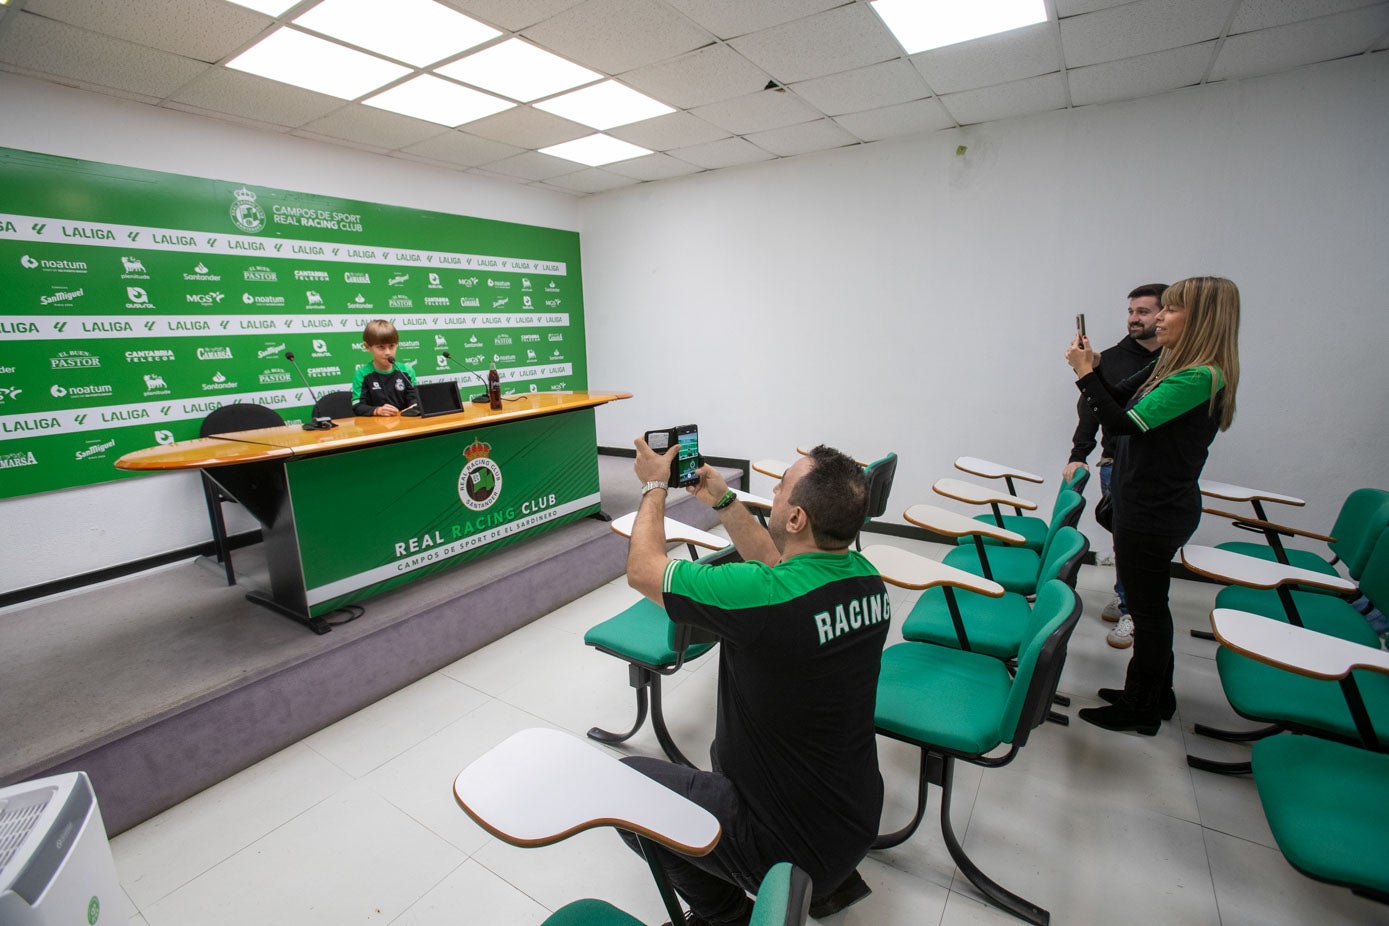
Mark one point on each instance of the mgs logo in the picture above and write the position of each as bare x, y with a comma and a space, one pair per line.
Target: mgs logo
480, 482
246, 213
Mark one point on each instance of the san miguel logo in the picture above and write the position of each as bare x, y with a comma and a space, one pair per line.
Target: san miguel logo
246, 212
481, 480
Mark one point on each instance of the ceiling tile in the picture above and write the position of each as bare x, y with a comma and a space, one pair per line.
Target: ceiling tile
893, 121
250, 96
653, 167
1066, 8
514, 15
1285, 47
1140, 28
1141, 76
803, 139
724, 153
56, 49
371, 126
463, 149
1265, 14
872, 87
730, 18
673, 130
205, 30
755, 112
528, 127
837, 40
532, 166
1020, 98
592, 180
995, 59
715, 72
614, 36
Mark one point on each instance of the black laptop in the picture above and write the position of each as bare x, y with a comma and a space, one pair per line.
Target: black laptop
438, 398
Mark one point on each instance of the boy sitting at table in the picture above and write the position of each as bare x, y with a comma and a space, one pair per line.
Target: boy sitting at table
382, 387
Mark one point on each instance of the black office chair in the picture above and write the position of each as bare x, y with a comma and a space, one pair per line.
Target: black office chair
334, 405
227, 420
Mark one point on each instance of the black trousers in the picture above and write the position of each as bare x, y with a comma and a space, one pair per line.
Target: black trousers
1143, 562
715, 886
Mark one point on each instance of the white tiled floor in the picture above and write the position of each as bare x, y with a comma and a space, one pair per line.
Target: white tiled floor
357, 823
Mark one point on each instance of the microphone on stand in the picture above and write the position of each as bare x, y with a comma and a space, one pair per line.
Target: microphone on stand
319, 422
479, 399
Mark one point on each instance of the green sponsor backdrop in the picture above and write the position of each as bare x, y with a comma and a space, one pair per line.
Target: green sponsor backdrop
136, 302
372, 519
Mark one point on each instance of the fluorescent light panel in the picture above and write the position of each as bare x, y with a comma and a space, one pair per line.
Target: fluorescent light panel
519, 70
316, 64
418, 32
438, 100
922, 26
596, 150
605, 105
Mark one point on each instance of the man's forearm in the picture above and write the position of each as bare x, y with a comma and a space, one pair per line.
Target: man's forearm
646, 551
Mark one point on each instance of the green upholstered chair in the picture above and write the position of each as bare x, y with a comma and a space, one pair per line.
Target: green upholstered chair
1016, 568
1338, 834
782, 900
993, 626
880, 474
954, 704
1363, 515
1033, 529
653, 646
1315, 609
1289, 701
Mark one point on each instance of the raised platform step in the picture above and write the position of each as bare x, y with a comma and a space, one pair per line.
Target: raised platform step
163, 684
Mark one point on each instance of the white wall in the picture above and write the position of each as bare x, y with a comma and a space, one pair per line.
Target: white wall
78, 530
897, 296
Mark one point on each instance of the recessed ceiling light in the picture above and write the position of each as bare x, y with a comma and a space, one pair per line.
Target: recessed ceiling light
595, 150
316, 64
418, 32
438, 100
268, 7
519, 70
923, 26
605, 105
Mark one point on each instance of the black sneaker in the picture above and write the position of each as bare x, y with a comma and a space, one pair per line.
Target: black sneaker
851, 891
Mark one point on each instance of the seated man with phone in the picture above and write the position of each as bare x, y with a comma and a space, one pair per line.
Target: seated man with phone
802, 622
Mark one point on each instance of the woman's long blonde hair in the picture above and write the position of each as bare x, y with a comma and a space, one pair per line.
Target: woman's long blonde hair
1210, 338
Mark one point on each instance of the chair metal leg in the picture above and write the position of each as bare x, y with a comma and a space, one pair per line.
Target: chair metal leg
996, 894
1063, 700
924, 778
1239, 736
219, 527
1202, 634
1219, 768
641, 680
1057, 717
672, 903
658, 724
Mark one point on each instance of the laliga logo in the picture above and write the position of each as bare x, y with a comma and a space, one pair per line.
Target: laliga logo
480, 482
246, 213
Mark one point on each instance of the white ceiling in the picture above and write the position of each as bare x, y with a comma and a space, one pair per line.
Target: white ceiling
838, 77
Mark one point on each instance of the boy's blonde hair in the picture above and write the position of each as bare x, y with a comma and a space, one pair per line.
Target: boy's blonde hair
379, 331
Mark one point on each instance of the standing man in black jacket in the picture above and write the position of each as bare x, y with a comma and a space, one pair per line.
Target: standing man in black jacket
1136, 351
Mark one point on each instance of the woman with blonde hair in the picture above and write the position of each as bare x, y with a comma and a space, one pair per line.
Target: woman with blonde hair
1165, 416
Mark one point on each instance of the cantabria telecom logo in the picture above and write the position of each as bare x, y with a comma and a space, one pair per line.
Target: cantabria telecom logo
480, 482
246, 212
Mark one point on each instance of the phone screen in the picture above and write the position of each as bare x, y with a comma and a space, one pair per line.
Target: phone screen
687, 462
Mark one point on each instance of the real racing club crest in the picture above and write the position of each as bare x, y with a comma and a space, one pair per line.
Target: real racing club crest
246, 212
480, 482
